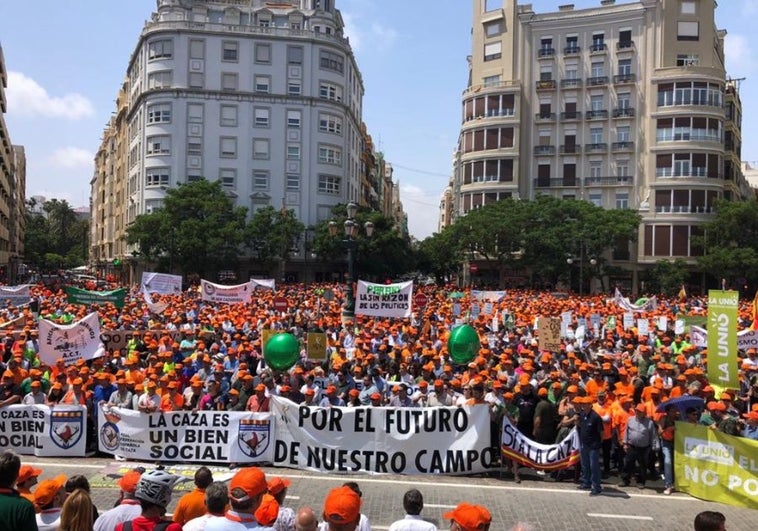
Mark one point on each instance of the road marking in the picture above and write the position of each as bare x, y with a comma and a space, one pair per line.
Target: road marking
61, 465
440, 506
620, 516
292, 497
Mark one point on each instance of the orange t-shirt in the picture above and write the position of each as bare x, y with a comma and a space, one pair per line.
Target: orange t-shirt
190, 506
593, 387
605, 410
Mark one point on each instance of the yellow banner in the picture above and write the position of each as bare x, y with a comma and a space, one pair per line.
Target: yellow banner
317, 346
713, 466
722, 339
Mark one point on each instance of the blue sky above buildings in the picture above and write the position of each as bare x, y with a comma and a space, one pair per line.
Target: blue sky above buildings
67, 60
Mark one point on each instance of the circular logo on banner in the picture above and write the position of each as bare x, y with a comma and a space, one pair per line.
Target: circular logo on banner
209, 288
109, 436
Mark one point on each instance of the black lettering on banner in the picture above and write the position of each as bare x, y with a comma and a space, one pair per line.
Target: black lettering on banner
189, 453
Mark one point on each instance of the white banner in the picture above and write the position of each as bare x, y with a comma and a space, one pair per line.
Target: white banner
187, 436
384, 300
745, 338
154, 307
643, 327
74, 342
487, 296
268, 283
518, 447
44, 431
240, 293
14, 295
383, 440
161, 283
642, 305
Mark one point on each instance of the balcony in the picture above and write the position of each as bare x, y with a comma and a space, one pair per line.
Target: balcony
544, 117
624, 45
684, 209
688, 135
624, 79
546, 52
555, 182
572, 82
598, 47
546, 84
571, 115
617, 180
568, 149
594, 148
622, 146
623, 112
572, 50
597, 81
696, 172
544, 150
599, 114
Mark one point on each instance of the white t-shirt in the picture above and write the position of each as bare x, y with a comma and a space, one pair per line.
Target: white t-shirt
49, 519
199, 523
127, 510
412, 523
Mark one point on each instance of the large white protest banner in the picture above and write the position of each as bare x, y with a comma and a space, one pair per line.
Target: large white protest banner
518, 447
268, 283
74, 342
192, 436
485, 296
161, 283
384, 300
745, 338
44, 431
14, 295
240, 293
383, 440
154, 307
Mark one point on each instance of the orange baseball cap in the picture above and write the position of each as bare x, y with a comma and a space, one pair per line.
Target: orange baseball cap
469, 517
27, 472
251, 480
268, 511
277, 485
128, 482
47, 489
342, 505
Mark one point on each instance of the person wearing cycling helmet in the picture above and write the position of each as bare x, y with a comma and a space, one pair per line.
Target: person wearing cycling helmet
153, 492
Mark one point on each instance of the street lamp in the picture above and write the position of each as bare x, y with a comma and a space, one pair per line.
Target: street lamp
350, 242
570, 260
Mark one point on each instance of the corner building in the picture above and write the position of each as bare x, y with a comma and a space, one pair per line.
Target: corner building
265, 97
623, 105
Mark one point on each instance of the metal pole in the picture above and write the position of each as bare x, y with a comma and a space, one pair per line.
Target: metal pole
348, 311
581, 268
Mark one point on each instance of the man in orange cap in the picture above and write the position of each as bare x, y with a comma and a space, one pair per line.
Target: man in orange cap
27, 478
246, 490
590, 428
640, 438
750, 429
342, 509
277, 487
48, 500
468, 517
127, 508
10, 393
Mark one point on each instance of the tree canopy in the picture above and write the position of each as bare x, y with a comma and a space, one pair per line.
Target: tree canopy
55, 238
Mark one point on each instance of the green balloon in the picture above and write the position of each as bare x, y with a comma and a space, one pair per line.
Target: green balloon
463, 344
282, 351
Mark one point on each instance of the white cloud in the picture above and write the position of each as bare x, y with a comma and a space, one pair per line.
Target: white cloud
739, 56
422, 208
749, 7
352, 31
384, 38
26, 97
72, 158
378, 36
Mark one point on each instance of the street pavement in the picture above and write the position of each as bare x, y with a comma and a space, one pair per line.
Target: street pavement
541, 504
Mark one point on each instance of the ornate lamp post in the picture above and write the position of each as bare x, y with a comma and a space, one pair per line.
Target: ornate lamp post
571, 260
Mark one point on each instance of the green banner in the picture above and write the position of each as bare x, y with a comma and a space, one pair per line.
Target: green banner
713, 466
83, 296
722, 339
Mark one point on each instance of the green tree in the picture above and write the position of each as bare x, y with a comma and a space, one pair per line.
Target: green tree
440, 255
272, 235
54, 238
198, 230
667, 277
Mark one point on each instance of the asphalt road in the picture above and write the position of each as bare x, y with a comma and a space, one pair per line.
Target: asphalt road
540, 504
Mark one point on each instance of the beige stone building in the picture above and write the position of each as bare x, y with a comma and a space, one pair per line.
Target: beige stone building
623, 105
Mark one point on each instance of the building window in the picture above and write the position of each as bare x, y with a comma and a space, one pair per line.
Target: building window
596, 135
159, 113
624, 100
492, 5
294, 55
197, 49
293, 119
263, 84
263, 54
622, 200
492, 51
157, 80
596, 103
158, 145
230, 51
196, 80
625, 67
294, 87
330, 91
491, 81
260, 148
331, 61
623, 134
572, 72
688, 59
598, 69
329, 184
688, 31
194, 148
229, 81
688, 7
328, 123
596, 198
330, 155
228, 116
595, 170
162, 49
260, 180
493, 29
293, 152
228, 147
157, 177
228, 178
293, 182
622, 168
262, 117
193, 177
195, 112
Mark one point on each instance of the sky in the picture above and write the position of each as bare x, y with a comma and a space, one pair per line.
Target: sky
65, 66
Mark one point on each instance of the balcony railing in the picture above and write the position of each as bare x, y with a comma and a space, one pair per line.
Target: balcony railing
597, 47
617, 180
546, 52
697, 171
544, 150
597, 80
544, 117
567, 149
599, 146
555, 182
546, 84
623, 112
624, 45
572, 50
597, 114
684, 209
622, 146
622, 79
571, 82
688, 135
571, 115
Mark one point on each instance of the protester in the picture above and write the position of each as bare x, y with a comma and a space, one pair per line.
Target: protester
77, 514
246, 490
16, 512
27, 478
468, 517
639, 441
306, 520
48, 501
413, 504
285, 520
590, 427
342, 510
710, 521
153, 491
192, 504
127, 506
216, 502
666, 432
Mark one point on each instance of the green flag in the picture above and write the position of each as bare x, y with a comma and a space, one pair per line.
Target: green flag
83, 296
722, 340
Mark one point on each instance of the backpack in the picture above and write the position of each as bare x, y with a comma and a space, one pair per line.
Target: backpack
160, 526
